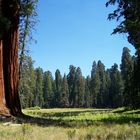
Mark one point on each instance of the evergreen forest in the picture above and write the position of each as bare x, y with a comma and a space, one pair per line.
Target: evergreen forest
23, 86
102, 88
37, 105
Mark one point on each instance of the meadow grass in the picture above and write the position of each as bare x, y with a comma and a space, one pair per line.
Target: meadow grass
75, 124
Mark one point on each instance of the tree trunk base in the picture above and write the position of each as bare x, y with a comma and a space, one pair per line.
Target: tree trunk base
4, 111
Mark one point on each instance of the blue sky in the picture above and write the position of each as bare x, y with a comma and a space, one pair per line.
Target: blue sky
75, 32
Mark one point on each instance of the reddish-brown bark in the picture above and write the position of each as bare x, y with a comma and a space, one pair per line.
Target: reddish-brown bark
9, 60
10, 63
3, 108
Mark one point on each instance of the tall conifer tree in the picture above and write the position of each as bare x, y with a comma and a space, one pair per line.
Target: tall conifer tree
65, 93
126, 72
58, 85
27, 83
87, 95
116, 87
79, 89
71, 84
38, 93
47, 89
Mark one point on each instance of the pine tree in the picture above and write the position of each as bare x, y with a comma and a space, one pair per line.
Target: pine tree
95, 85
107, 89
54, 93
79, 89
116, 87
28, 14
96, 90
47, 89
27, 83
102, 77
65, 93
126, 72
92, 83
38, 93
71, 84
58, 85
93, 71
87, 95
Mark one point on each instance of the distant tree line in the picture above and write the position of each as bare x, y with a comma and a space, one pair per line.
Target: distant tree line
104, 88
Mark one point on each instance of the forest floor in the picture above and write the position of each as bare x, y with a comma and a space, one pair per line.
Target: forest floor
73, 124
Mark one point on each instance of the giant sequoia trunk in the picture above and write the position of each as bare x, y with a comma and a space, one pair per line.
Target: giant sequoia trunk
9, 79
3, 108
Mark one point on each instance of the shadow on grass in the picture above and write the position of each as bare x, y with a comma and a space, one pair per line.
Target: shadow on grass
134, 112
122, 120
126, 111
122, 110
68, 113
47, 119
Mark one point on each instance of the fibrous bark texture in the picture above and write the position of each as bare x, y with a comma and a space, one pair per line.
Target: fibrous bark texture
9, 78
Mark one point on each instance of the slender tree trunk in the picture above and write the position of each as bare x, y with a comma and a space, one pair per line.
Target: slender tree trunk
9, 59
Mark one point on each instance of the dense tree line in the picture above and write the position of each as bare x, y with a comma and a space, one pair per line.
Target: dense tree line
103, 88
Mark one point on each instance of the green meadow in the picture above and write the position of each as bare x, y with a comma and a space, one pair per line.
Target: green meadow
73, 124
